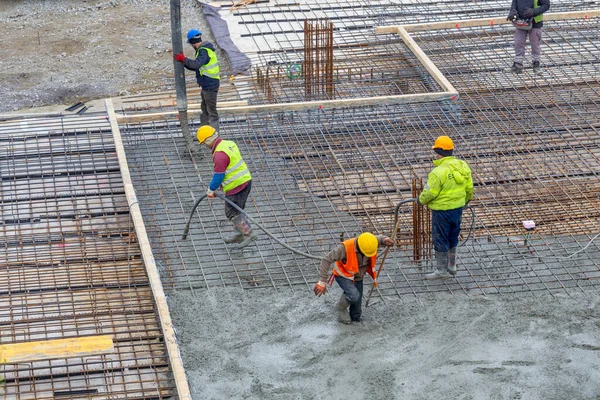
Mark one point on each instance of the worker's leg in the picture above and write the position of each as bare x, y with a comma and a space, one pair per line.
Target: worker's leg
440, 227
454, 217
520, 38
535, 37
350, 296
240, 221
356, 308
209, 98
203, 106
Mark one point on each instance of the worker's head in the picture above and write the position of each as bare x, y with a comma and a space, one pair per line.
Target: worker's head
367, 244
207, 135
443, 146
194, 37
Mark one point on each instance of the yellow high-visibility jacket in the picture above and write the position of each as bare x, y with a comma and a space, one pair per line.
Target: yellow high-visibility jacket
449, 185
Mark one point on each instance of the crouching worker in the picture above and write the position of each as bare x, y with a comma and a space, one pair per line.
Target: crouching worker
232, 174
352, 259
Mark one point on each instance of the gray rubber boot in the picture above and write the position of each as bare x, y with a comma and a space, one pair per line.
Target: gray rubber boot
342, 307
452, 261
243, 225
441, 258
237, 237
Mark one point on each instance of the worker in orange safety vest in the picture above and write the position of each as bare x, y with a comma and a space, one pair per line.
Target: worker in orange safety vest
352, 259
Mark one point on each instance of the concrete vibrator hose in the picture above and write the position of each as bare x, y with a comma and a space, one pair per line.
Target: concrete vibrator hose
287, 246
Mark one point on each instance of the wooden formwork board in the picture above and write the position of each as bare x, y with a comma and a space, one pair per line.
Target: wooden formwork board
85, 346
151, 268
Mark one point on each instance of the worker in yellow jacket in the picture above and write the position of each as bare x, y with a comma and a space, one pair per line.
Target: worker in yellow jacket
351, 259
449, 188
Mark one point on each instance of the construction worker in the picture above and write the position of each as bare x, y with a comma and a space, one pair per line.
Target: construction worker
529, 11
206, 65
232, 174
352, 259
449, 188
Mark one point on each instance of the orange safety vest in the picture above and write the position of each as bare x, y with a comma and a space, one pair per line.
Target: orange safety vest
350, 268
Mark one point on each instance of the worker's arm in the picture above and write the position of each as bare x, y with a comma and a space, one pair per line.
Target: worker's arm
432, 189
196, 64
220, 161
544, 5
469, 188
339, 253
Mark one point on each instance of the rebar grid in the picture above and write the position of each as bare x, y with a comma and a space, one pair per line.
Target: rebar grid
70, 265
365, 65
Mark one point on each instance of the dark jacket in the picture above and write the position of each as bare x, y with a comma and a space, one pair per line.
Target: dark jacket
521, 5
204, 82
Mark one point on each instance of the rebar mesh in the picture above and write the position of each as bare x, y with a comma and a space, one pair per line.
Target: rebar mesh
70, 265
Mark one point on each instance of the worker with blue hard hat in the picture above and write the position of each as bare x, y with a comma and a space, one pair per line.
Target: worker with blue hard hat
206, 65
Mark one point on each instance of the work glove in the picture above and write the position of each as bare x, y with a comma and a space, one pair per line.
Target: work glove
388, 242
320, 288
512, 15
528, 13
210, 194
179, 57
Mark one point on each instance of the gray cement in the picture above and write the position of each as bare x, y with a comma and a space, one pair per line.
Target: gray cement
253, 344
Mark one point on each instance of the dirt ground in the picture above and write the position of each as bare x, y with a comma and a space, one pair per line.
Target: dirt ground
60, 51
259, 345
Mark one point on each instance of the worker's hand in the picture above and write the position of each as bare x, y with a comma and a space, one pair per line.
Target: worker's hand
388, 242
320, 288
528, 13
418, 201
512, 15
179, 57
210, 194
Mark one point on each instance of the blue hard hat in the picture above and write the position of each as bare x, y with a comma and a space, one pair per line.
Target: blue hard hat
193, 34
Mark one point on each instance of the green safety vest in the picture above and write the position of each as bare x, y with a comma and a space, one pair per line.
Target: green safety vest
210, 69
449, 185
540, 17
237, 171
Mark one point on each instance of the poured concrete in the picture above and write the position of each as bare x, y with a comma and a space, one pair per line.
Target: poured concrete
280, 345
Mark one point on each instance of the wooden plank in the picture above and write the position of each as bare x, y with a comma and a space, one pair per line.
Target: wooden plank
53, 349
305, 105
468, 23
162, 308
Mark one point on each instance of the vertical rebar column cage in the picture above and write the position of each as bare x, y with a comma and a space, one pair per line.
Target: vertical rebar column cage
421, 226
317, 68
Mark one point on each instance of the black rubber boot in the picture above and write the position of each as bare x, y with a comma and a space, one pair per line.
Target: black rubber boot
516, 68
537, 68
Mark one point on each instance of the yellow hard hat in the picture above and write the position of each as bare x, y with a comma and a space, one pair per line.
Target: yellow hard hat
444, 143
204, 132
368, 244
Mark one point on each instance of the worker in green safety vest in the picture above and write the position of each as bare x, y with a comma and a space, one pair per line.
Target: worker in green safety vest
206, 65
527, 17
232, 175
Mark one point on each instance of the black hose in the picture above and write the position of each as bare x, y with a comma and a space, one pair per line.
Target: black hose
231, 203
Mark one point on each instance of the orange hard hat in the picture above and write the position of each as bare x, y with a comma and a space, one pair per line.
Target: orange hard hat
444, 143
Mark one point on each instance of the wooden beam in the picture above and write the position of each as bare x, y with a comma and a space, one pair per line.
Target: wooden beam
55, 349
467, 23
306, 105
193, 109
427, 63
183, 390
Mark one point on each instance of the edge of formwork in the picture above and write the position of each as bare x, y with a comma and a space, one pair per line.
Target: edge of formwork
181, 383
